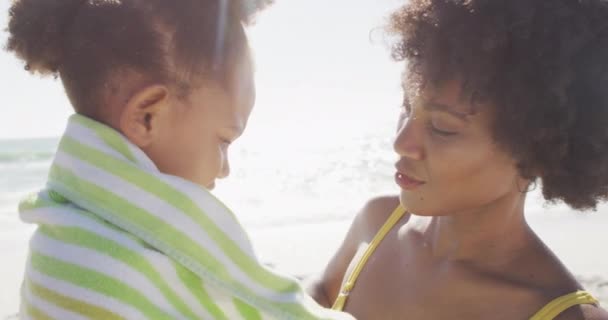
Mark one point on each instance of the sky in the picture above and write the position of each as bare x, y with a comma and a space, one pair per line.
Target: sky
317, 61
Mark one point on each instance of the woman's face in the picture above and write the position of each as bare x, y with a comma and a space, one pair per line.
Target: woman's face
448, 162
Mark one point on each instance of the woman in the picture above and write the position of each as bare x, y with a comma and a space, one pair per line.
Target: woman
500, 95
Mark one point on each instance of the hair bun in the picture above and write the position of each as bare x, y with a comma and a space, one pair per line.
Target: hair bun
37, 32
249, 8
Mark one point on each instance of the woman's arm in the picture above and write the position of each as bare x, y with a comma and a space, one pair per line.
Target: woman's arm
324, 287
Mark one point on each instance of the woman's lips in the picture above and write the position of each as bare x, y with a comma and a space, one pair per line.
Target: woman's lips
406, 182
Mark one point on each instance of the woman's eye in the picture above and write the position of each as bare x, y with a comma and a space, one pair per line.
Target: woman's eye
442, 133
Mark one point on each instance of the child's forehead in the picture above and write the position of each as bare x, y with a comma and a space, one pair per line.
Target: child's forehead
227, 108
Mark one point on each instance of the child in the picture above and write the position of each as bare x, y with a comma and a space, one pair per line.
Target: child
127, 228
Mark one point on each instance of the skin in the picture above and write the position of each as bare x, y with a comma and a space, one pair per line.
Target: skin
186, 135
465, 250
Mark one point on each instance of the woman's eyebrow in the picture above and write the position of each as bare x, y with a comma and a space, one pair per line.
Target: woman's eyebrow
434, 106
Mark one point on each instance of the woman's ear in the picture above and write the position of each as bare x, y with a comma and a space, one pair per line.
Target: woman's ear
526, 185
144, 113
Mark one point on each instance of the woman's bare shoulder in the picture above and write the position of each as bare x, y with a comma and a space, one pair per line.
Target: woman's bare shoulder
584, 312
548, 278
375, 213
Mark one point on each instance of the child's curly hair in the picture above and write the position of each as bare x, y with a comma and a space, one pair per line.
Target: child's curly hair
86, 41
541, 65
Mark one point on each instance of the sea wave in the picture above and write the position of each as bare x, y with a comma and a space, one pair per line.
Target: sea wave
25, 156
25, 151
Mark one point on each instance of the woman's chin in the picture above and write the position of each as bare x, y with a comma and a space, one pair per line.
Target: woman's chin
417, 205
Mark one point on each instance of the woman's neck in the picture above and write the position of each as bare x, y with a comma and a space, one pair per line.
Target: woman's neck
495, 232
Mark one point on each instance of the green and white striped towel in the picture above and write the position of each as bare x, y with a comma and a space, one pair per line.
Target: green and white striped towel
117, 239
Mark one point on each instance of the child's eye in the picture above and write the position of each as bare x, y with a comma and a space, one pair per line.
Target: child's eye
225, 142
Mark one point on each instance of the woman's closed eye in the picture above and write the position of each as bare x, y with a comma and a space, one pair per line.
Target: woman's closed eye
441, 129
443, 133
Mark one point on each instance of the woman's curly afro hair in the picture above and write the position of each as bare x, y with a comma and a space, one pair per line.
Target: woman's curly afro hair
542, 65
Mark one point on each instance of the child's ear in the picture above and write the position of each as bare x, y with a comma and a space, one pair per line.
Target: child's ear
143, 114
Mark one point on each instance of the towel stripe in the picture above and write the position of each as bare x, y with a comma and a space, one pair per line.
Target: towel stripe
104, 266
68, 303
85, 295
137, 263
50, 308
197, 288
35, 313
111, 139
97, 282
246, 311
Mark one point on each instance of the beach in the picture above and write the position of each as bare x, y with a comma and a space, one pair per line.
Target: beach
317, 147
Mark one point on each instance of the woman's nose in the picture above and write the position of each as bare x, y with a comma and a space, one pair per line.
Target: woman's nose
409, 140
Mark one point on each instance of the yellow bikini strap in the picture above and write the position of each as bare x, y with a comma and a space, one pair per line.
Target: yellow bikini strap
352, 279
563, 303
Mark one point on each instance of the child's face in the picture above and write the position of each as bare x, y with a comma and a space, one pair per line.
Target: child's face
199, 130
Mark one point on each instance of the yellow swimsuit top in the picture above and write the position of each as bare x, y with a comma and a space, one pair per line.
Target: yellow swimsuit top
549, 312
